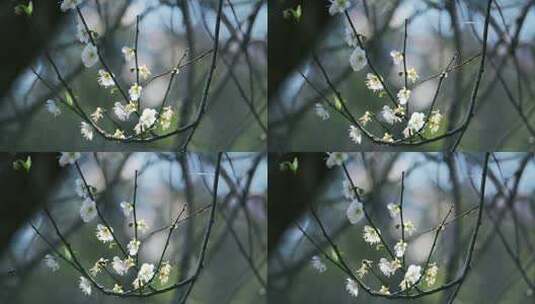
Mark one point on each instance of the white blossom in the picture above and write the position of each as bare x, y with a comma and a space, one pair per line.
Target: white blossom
350, 37
81, 33
411, 276
127, 207
371, 236
434, 121
338, 6
85, 286
104, 79
119, 134
117, 288
53, 108
97, 115
393, 209
321, 111
86, 130
352, 287
416, 122
397, 57
69, 4
355, 212
364, 267
146, 121
384, 290
89, 55
318, 264
431, 274
144, 275
355, 135
104, 234
165, 271
51, 262
166, 117
409, 227
403, 96
88, 211
389, 115
335, 159
80, 189
412, 76
144, 71
135, 92
121, 111
388, 268
358, 59
349, 193
121, 266
129, 53
400, 248
133, 247
366, 118
373, 83
387, 137
68, 158
99, 265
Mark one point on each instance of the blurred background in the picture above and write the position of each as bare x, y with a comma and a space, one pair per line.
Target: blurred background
437, 30
434, 184
235, 266
236, 115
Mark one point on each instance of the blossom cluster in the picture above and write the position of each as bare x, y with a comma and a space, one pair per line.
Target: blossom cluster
120, 266
390, 117
148, 118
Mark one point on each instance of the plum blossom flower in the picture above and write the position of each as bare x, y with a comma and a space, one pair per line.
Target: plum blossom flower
86, 130
411, 276
412, 76
403, 96
348, 190
69, 4
389, 115
355, 135
317, 264
166, 117
355, 212
68, 158
393, 209
416, 122
397, 57
338, 6
117, 288
373, 83
99, 265
81, 32
371, 236
118, 134
135, 92
121, 266
350, 37
51, 262
388, 268
434, 121
104, 234
165, 271
53, 108
409, 227
146, 121
364, 268
321, 111
431, 274
129, 53
89, 55
88, 211
133, 247
384, 290
98, 114
400, 248
357, 60
144, 71
123, 112
144, 275
387, 137
85, 286
366, 118
335, 159
127, 207
104, 79
352, 287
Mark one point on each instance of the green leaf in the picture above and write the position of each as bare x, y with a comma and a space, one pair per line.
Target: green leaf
24, 9
290, 166
25, 165
338, 103
68, 98
294, 14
